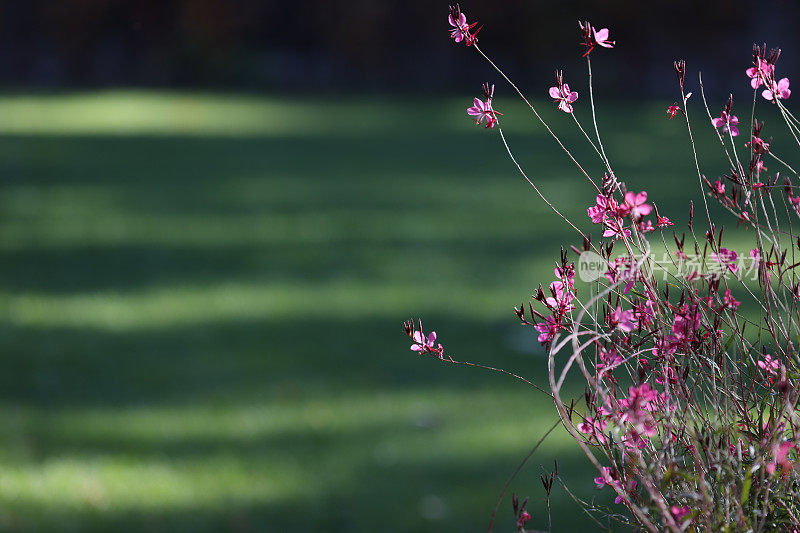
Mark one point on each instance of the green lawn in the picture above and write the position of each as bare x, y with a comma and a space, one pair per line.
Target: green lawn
202, 297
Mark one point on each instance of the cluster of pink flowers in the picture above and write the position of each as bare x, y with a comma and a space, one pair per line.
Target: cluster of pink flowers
654, 351
559, 303
611, 214
763, 73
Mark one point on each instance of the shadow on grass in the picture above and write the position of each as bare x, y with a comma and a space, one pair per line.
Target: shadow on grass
280, 421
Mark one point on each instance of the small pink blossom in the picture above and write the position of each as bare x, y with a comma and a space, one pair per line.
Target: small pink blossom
561, 93
780, 455
727, 258
755, 255
547, 329
727, 122
778, 91
603, 206
561, 299
593, 427
592, 37
680, 513
760, 73
729, 301
622, 319
609, 359
604, 478
422, 345
630, 487
769, 365
458, 21
601, 38
460, 28
566, 274
795, 201
614, 229
482, 110
636, 204
663, 222
673, 110
719, 187
524, 518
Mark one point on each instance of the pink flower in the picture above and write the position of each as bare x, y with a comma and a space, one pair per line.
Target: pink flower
727, 258
524, 518
547, 329
673, 110
780, 454
663, 222
560, 93
727, 122
622, 319
594, 428
795, 201
769, 365
778, 90
759, 145
561, 299
604, 205
423, 345
566, 274
759, 74
604, 478
680, 513
729, 300
458, 21
636, 204
639, 398
483, 109
460, 28
755, 255
592, 37
609, 359
614, 229
631, 486
601, 38
718, 188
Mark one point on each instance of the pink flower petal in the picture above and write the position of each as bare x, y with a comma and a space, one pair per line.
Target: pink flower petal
601, 35
555, 93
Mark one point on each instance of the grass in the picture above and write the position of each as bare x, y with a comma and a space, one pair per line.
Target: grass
202, 297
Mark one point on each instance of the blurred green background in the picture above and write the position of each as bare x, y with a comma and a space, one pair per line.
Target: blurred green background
203, 298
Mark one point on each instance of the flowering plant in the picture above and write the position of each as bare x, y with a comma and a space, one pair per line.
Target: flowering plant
690, 411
